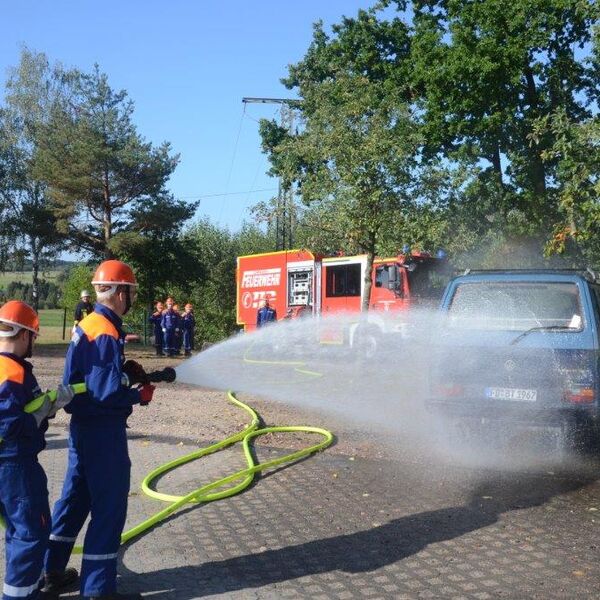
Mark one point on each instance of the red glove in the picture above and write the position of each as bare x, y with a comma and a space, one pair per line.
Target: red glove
146, 392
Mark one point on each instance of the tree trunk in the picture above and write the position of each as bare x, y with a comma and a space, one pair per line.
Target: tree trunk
35, 268
368, 281
497, 165
538, 173
107, 225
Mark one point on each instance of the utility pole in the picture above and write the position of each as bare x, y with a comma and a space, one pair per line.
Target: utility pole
284, 211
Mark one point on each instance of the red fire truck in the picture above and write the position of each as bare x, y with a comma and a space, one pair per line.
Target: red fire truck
297, 282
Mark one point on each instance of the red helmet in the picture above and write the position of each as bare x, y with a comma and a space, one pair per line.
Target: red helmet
114, 272
19, 315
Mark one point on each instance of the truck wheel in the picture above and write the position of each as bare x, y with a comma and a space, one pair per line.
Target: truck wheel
365, 344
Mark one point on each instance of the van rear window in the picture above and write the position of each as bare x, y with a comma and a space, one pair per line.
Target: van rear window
515, 306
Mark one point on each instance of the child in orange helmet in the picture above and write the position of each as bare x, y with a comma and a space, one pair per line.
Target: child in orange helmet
24, 491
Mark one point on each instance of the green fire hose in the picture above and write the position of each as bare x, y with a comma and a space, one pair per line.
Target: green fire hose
207, 493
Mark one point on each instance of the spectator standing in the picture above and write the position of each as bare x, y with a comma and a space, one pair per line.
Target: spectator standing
84, 308
168, 324
188, 325
266, 314
155, 319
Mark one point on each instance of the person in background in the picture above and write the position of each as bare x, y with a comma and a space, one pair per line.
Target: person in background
188, 324
83, 308
155, 319
178, 330
98, 470
265, 314
168, 324
24, 490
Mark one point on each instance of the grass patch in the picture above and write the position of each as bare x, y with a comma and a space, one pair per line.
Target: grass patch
25, 277
51, 326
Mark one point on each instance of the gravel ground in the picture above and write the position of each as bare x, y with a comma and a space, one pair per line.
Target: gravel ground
202, 416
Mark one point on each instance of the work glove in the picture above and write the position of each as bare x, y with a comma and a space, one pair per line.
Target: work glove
43, 411
134, 372
64, 395
146, 392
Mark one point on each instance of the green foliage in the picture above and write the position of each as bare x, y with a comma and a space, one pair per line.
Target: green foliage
152, 244
78, 279
471, 126
49, 294
27, 223
214, 250
98, 167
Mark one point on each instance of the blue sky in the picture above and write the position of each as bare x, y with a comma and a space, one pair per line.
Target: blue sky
187, 65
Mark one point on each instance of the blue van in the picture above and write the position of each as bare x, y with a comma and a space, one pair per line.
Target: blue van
520, 347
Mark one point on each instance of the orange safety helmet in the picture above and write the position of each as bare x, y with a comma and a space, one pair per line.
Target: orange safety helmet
19, 315
114, 272
188, 306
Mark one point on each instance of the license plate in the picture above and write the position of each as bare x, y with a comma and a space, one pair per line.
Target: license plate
517, 394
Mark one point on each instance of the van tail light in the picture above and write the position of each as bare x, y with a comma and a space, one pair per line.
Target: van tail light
449, 390
579, 394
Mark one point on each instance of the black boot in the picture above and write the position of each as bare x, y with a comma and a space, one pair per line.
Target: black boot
55, 583
116, 596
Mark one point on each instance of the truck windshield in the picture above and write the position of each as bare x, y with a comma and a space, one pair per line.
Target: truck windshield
516, 306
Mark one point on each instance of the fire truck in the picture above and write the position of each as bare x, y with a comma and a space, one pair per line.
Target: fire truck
298, 282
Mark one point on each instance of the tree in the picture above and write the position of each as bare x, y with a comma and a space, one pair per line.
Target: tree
356, 153
576, 154
79, 278
27, 225
97, 165
484, 73
152, 243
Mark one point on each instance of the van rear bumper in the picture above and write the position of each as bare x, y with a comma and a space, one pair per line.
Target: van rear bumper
511, 411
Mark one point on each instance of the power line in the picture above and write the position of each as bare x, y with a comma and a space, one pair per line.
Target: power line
203, 196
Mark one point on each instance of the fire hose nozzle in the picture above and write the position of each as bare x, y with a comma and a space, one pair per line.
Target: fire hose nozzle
166, 375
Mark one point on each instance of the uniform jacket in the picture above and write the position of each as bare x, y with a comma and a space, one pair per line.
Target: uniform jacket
95, 356
170, 319
188, 321
265, 315
18, 430
83, 309
155, 318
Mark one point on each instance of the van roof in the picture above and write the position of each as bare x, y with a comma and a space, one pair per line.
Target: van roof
549, 275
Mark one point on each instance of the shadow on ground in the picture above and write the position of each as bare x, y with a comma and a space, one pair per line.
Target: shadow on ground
361, 551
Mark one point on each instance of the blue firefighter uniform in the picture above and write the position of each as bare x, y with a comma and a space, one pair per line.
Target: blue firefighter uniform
265, 315
169, 322
155, 320
98, 471
24, 487
178, 332
188, 323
